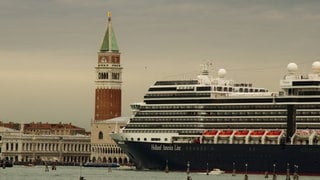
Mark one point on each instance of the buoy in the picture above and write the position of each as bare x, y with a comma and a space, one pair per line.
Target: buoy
274, 176
167, 167
81, 177
188, 171
246, 175
233, 169
46, 168
288, 172
295, 174
207, 171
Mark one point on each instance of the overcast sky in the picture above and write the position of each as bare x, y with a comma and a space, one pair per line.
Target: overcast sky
48, 48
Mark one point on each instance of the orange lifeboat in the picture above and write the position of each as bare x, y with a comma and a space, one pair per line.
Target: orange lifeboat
209, 133
257, 133
273, 133
225, 133
241, 133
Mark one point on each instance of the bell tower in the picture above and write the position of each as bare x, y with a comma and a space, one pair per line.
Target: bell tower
108, 77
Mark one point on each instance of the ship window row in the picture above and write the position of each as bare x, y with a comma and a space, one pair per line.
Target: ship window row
177, 113
309, 93
163, 126
255, 119
270, 125
249, 90
207, 120
188, 131
307, 119
218, 107
308, 106
165, 120
145, 139
226, 113
242, 107
234, 122
204, 88
149, 131
172, 95
238, 89
187, 82
180, 107
163, 89
247, 113
315, 113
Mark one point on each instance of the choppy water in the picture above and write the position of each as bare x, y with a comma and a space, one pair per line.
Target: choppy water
74, 173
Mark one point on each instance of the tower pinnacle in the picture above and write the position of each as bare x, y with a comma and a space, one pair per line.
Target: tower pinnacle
109, 43
109, 16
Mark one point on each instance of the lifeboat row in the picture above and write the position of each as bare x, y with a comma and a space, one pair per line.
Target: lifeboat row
242, 133
242, 136
260, 136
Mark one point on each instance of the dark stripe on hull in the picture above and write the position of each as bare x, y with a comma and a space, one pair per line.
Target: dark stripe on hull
260, 158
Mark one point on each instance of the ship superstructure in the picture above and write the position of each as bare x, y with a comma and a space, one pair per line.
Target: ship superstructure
220, 122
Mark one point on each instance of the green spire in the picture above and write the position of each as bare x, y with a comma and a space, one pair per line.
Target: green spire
109, 42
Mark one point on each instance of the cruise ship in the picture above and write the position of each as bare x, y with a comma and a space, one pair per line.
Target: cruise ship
212, 122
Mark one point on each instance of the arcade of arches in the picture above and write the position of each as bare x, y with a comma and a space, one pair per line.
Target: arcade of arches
110, 153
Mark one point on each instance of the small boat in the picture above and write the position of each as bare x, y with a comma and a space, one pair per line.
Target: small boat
4, 164
95, 164
216, 171
29, 165
124, 167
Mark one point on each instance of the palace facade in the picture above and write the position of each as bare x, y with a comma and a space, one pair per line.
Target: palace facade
21, 148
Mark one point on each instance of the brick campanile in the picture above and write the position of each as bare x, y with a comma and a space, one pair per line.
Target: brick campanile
108, 77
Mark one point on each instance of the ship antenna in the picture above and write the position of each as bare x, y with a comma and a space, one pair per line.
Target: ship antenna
205, 67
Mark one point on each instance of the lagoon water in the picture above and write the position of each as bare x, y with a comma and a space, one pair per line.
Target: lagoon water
74, 173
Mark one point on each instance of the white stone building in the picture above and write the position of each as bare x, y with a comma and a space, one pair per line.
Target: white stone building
27, 148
